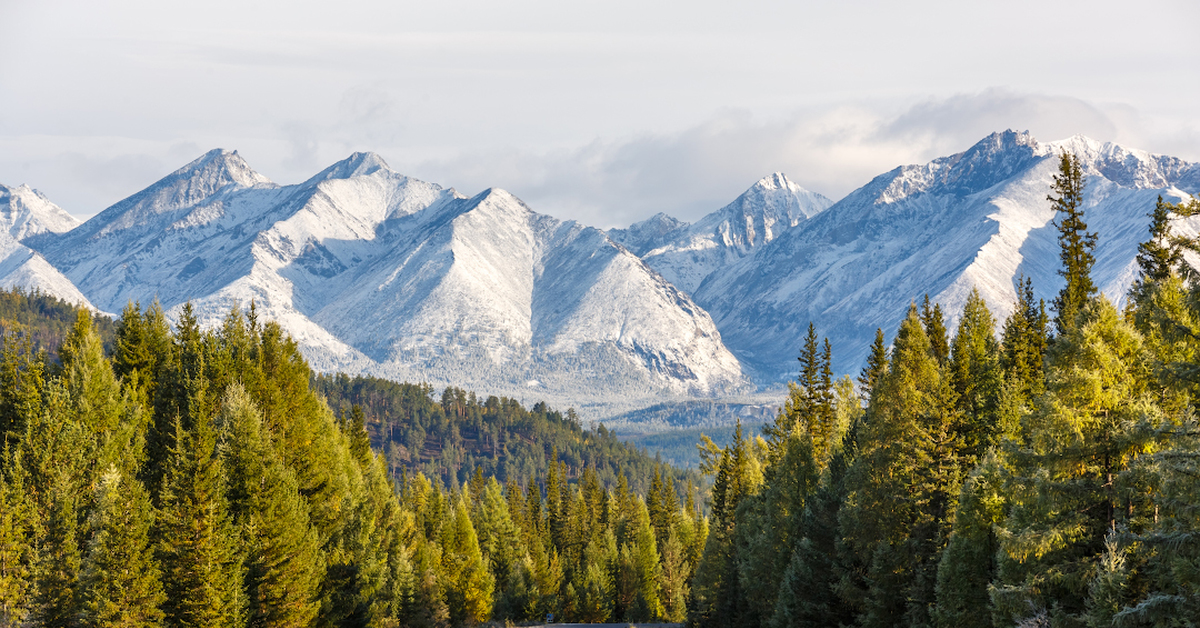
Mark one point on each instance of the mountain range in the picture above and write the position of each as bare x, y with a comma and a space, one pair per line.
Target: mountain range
375, 272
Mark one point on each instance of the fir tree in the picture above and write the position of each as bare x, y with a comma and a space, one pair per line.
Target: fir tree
1075, 241
976, 376
935, 328
283, 566
16, 550
202, 571
120, 581
907, 467
1096, 417
876, 366
1024, 342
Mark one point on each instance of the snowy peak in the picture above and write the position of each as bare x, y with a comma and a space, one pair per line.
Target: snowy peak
200, 182
686, 255
214, 170
771, 206
994, 159
1130, 168
651, 233
356, 165
25, 212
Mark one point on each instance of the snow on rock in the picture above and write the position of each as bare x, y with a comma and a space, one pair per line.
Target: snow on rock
372, 271
978, 219
685, 254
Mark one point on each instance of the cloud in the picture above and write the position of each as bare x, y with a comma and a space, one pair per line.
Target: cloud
830, 150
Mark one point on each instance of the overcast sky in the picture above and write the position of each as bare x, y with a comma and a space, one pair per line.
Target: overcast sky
605, 112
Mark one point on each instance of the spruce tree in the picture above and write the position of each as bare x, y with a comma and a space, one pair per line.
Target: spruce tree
202, 568
976, 376
1096, 417
908, 467
120, 580
1074, 240
1023, 344
470, 583
16, 549
876, 366
935, 328
283, 560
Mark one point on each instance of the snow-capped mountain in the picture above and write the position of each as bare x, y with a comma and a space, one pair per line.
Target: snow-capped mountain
976, 219
685, 254
24, 214
372, 271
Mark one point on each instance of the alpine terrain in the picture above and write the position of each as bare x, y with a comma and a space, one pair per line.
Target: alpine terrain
378, 273
375, 272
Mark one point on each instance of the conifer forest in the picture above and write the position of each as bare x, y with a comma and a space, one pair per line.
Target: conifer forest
1043, 470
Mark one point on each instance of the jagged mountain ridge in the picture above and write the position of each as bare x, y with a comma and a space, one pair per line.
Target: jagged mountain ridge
978, 219
24, 214
686, 254
375, 272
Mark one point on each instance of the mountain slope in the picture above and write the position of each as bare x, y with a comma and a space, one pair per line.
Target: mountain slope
26, 214
976, 219
375, 272
685, 254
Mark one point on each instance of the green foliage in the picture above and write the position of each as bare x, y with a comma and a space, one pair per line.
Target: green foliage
448, 439
1074, 240
43, 320
120, 580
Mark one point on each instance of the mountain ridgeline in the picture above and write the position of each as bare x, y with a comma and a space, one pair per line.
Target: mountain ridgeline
1045, 477
197, 478
380, 274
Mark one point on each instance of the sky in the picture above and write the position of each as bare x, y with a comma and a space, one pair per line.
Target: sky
602, 112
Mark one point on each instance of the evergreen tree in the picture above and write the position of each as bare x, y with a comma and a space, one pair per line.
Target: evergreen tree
877, 361
120, 582
202, 571
471, 585
968, 564
1075, 241
1024, 342
1096, 416
935, 328
907, 467
283, 561
16, 550
976, 376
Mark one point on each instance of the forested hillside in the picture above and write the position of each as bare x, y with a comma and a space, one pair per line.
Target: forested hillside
195, 479
451, 437
1048, 477
43, 320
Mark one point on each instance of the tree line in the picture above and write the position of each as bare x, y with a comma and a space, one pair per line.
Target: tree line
196, 478
1048, 477
450, 436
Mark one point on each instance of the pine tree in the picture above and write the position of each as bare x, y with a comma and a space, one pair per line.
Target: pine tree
16, 550
968, 564
976, 376
907, 467
1096, 417
283, 566
935, 329
876, 367
1023, 345
120, 580
470, 583
1074, 240
202, 569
